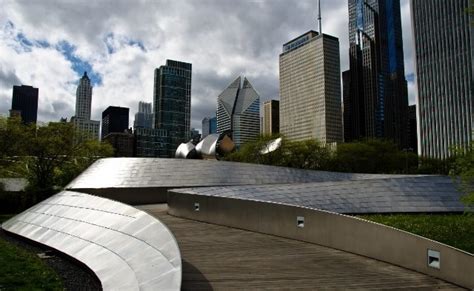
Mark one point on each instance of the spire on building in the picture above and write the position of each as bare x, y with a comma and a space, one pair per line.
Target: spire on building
320, 28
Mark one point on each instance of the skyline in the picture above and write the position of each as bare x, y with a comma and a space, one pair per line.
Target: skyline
121, 50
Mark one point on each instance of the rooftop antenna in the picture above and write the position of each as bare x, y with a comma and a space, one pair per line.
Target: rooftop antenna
320, 28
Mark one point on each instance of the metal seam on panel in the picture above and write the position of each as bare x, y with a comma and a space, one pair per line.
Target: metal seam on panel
105, 227
89, 208
78, 237
125, 252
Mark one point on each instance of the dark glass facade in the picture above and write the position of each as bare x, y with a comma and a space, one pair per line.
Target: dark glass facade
25, 102
172, 102
213, 125
377, 91
151, 142
114, 119
412, 132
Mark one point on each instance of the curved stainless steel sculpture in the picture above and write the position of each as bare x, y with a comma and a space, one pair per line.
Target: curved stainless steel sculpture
271, 146
125, 247
207, 147
186, 151
212, 147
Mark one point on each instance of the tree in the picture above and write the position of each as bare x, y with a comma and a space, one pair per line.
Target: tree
463, 172
47, 156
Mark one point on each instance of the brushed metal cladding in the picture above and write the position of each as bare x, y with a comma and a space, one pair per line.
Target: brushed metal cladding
125, 247
207, 146
401, 195
132, 173
186, 151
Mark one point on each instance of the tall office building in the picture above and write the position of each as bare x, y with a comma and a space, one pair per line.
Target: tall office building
209, 126
25, 103
151, 142
238, 109
114, 120
84, 98
205, 127
310, 88
86, 127
144, 116
412, 129
172, 102
271, 117
443, 35
213, 125
378, 99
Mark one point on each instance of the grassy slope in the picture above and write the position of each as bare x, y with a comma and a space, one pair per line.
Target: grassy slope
456, 230
23, 270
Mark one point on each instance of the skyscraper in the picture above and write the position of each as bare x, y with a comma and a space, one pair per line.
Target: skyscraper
213, 125
310, 88
378, 99
172, 102
443, 35
412, 132
238, 109
86, 127
84, 98
209, 126
205, 127
25, 103
114, 120
144, 116
271, 117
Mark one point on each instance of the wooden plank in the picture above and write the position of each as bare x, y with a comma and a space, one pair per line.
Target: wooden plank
223, 258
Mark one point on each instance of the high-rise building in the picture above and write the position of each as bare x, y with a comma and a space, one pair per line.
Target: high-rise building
378, 99
114, 119
172, 102
443, 35
271, 117
205, 127
412, 132
151, 142
213, 125
25, 103
238, 109
209, 126
144, 116
86, 128
84, 98
310, 88
347, 126
122, 142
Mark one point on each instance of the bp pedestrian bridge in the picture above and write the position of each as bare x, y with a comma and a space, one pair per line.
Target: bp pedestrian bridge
170, 224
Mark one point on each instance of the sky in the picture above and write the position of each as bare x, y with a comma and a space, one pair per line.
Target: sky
49, 44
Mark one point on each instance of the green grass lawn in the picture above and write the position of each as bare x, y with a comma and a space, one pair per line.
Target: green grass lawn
23, 270
456, 230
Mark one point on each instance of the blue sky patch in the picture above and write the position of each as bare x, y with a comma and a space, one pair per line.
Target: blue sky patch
78, 65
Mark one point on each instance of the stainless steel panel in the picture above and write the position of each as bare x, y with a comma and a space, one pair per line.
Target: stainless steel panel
125, 247
387, 195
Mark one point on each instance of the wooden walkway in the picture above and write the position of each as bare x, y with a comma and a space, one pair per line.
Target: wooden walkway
222, 258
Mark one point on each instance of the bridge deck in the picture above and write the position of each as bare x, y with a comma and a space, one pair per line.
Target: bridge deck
223, 258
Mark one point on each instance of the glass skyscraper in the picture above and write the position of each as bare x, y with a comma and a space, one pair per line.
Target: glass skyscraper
114, 119
25, 103
238, 109
144, 117
377, 99
172, 102
443, 34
